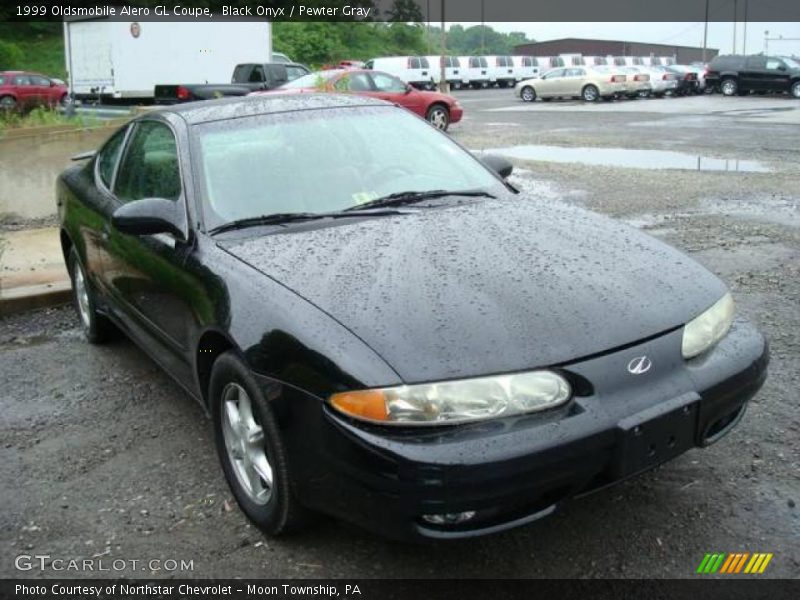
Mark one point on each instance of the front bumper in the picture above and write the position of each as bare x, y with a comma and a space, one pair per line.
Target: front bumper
516, 470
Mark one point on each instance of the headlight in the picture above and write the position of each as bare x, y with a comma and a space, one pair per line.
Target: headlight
705, 331
456, 401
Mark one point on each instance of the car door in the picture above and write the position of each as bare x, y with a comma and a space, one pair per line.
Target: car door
26, 93
776, 75
753, 74
144, 273
43, 91
573, 81
390, 88
550, 83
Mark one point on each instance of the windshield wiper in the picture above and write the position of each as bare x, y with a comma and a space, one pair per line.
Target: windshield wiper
281, 218
401, 198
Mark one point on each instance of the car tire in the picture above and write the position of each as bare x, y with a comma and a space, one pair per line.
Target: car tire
438, 116
64, 101
795, 90
729, 87
251, 449
96, 327
8, 103
528, 94
590, 93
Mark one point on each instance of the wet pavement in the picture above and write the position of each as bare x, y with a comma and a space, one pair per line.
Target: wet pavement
103, 455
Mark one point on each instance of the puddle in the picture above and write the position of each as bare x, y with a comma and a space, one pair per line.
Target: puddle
634, 159
784, 212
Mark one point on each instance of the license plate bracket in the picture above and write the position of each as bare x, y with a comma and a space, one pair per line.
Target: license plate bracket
656, 434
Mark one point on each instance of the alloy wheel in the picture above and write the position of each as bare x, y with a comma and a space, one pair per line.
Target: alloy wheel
728, 87
245, 445
438, 117
82, 295
528, 94
590, 93
796, 89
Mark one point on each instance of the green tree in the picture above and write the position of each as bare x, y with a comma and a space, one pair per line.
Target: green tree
10, 55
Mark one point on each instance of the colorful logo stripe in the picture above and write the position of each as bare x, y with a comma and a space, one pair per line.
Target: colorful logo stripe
737, 562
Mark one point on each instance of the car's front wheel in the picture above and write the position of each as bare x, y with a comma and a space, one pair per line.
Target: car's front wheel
796, 89
250, 448
439, 117
528, 94
96, 327
729, 87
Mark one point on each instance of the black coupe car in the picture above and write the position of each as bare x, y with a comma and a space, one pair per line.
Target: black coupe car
382, 328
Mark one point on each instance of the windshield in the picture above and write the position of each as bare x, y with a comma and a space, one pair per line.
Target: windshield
326, 160
791, 63
311, 80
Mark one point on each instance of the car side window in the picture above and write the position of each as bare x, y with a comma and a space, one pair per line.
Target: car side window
295, 72
109, 156
149, 167
774, 64
41, 81
387, 83
257, 75
22, 80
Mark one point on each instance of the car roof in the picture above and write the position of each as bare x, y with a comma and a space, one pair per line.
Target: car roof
247, 106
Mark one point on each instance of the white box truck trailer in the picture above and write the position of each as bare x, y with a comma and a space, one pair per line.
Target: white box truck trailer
117, 59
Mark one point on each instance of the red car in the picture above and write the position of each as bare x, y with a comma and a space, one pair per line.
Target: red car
20, 91
439, 109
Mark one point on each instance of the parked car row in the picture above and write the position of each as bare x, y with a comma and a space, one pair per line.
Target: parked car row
490, 70
596, 82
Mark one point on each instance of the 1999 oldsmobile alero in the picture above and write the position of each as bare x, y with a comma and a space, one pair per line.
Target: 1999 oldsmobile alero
382, 328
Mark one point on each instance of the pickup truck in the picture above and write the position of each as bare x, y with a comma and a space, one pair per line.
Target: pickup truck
247, 77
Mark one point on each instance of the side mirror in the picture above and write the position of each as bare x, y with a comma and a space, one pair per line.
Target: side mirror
53, 83
782, 68
149, 216
498, 164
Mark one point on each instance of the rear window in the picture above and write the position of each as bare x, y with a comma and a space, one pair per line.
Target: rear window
424, 63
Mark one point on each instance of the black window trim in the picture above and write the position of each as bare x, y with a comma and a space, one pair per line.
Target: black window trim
98, 180
182, 197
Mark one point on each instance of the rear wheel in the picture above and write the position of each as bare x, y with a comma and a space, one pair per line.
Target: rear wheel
251, 449
96, 327
528, 94
8, 103
590, 93
439, 117
796, 89
729, 87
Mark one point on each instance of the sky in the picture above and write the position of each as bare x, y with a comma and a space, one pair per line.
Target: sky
720, 35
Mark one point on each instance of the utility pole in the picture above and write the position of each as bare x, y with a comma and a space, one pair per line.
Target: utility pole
744, 35
705, 34
443, 87
483, 30
735, 4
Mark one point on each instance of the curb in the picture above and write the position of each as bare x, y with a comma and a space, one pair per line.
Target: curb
22, 299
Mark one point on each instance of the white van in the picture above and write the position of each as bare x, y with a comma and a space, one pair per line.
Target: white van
501, 70
525, 67
628, 61
595, 61
572, 60
549, 62
474, 71
416, 70
452, 69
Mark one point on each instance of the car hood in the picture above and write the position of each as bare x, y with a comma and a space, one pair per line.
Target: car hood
487, 286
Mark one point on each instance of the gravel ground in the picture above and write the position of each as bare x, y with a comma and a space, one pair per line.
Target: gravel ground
103, 456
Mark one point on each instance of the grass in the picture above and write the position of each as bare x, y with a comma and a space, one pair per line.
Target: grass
39, 117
